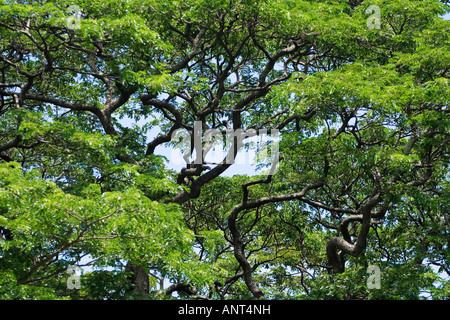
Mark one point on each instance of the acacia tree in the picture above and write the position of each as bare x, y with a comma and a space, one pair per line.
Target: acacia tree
363, 156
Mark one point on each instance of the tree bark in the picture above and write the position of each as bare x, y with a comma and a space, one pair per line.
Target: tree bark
139, 278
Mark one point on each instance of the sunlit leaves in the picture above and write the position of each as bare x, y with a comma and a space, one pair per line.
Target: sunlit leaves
110, 226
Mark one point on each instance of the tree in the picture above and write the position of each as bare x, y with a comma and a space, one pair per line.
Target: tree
362, 178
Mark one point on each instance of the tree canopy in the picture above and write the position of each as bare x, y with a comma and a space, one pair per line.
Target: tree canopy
91, 90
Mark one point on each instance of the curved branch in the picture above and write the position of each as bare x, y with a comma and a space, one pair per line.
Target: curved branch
187, 289
10, 144
237, 237
337, 247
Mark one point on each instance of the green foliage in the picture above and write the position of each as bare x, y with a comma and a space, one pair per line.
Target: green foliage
360, 111
53, 226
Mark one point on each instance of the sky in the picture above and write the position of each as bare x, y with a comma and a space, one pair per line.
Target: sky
245, 161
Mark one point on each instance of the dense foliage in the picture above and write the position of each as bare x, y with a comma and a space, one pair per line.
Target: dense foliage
91, 90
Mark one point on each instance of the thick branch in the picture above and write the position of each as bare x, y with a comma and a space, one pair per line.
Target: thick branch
186, 289
337, 246
237, 237
10, 144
